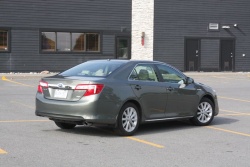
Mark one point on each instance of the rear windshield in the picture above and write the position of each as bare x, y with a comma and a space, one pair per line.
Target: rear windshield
93, 69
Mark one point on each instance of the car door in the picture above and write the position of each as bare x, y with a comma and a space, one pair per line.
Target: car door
182, 98
150, 92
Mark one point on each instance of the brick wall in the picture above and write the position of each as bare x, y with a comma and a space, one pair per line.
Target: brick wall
142, 21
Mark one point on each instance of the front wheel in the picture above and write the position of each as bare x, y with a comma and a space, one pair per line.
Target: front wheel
63, 125
205, 113
128, 120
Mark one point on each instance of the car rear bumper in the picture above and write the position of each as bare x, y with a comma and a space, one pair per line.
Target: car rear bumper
89, 110
59, 117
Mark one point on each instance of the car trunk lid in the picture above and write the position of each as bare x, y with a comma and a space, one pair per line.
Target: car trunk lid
69, 88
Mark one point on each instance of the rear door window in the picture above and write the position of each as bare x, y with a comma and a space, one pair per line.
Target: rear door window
143, 72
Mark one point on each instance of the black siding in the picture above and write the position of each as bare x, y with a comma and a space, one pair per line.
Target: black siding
176, 20
27, 18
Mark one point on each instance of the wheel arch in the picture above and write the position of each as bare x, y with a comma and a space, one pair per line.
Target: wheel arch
138, 105
210, 97
119, 126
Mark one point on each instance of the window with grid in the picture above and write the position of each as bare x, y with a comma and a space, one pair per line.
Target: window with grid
70, 42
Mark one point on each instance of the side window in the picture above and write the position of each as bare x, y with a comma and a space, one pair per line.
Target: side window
169, 74
143, 72
4, 37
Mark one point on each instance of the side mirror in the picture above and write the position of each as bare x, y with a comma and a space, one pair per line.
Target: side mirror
189, 80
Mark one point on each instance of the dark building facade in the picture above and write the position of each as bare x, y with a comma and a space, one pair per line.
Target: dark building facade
55, 35
197, 35
193, 35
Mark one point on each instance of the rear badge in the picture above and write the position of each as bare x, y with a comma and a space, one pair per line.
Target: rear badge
60, 85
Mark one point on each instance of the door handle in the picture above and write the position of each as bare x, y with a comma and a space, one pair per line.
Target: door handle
170, 88
137, 87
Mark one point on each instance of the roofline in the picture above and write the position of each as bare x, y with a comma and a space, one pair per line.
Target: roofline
128, 60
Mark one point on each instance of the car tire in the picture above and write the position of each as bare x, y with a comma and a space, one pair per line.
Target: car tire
63, 125
128, 120
204, 114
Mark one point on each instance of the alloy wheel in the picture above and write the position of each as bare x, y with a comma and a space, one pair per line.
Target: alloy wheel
205, 112
129, 119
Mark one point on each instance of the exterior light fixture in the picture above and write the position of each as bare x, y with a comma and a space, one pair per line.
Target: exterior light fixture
123, 29
225, 27
142, 38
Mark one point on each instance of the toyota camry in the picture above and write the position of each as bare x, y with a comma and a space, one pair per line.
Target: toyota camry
124, 94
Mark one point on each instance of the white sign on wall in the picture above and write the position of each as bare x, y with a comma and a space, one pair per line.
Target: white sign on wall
213, 26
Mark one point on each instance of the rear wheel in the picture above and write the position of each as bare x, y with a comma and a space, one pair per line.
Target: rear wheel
205, 113
63, 125
128, 120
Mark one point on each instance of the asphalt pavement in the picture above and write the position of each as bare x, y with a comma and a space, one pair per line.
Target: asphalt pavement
27, 140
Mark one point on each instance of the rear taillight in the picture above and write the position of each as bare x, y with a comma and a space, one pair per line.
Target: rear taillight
91, 89
42, 84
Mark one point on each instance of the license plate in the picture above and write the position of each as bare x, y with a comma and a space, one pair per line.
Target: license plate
59, 93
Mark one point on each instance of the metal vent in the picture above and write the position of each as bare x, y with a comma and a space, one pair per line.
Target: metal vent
213, 26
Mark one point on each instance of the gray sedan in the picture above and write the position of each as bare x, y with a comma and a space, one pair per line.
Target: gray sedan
123, 94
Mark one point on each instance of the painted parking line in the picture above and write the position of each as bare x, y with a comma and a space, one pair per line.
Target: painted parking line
18, 121
230, 111
131, 138
24, 105
2, 151
228, 131
229, 78
145, 142
229, 98
234, 112
19, 83
135, 139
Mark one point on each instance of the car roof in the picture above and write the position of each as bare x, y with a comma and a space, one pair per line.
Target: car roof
127, 61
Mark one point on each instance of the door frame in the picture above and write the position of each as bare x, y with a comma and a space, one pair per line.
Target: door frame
200, 38
116, 42
233, 60
185, 52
